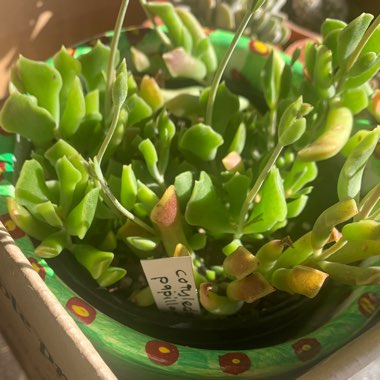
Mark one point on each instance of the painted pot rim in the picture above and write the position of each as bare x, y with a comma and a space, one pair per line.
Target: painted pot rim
128, 350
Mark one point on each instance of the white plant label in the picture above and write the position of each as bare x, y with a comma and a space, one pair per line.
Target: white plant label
172, 283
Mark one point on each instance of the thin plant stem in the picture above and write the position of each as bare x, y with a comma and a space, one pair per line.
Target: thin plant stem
222, 67
112, 58
257, 186
330, 251
110, 132
111, 200
369, 203
375, 215
272, 127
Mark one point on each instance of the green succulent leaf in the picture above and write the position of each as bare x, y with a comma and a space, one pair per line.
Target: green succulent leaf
201, 141
239, 140
151, 92
183, 184
291, 126
94, 64
300, 174
217, 304
92, 103
338, 213
147, 196
271, 78
182, 64
179, 35
350, 177
69, 68
111, 276
350, 274
331, 41
310, 57
206, 209
355, 251
335, 135
142, 244
32, 226
323, 72
226, 105
68, 177
184, 105
363, 70
60, 149
237, 189
120, 87
296, 206
330, 25
42, 81
362, 230
128, 191
351, 35
18, 109
356, 99
74, 111
373, 42
80, 217
52, 245
31, 188
149, 152
138, 109
166, 132
94, 260
47, 212
272, 206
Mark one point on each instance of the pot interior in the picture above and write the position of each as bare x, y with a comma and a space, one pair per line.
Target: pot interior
275, 320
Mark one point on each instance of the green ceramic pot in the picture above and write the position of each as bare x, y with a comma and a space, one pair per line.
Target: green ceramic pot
146, 344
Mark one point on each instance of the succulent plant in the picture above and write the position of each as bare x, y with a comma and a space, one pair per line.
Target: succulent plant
123, 168
267, 24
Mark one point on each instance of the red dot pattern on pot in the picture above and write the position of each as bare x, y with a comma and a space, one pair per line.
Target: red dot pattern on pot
81, 310
38, 267
2, 170
369, 303
306, 349
259, 47
234, 363
11, 227
161, 352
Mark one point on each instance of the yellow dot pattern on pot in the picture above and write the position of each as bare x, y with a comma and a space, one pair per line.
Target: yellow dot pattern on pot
35, 266
306, 347
164, 350
80, 311
10, 225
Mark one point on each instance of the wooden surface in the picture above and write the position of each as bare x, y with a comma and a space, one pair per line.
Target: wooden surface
9, 366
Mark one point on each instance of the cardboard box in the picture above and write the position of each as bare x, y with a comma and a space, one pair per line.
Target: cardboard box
42, 334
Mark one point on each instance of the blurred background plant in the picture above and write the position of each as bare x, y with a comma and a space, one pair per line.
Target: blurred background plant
267, 24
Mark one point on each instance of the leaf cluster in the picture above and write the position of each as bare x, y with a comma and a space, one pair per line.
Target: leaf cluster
153, 178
